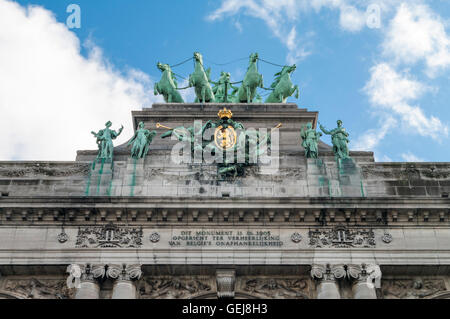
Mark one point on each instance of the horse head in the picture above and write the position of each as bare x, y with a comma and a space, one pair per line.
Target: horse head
291, 68
254, 57
163, 67
225, 76
198, 57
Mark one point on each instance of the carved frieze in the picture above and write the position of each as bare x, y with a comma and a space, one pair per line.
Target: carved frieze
174, 287
79, 169
39, 288
373, 172
109, 236
342, 237
411, 288
275, 288
435, 173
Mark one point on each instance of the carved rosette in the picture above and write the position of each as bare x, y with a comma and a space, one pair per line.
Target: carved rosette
225, 283
369, 273
124, 272
328, 272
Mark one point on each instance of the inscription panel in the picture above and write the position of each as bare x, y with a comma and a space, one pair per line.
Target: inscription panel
226, 239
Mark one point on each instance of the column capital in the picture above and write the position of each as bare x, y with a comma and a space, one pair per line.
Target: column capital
369, 273
328, 272
86, 272
124, 272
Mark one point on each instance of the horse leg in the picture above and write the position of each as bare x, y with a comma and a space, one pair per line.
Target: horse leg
203, 94
295, 89
248, 94
169, 98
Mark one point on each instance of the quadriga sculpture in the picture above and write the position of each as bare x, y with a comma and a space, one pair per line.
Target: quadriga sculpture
283, 86
167, 86
200, 81
251, 82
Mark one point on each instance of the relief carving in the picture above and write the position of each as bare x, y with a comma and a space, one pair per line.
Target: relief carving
174, 288
411, 288
437, 174
40, 289
279, 288
109, 236
369, 172
342, 237
46, 170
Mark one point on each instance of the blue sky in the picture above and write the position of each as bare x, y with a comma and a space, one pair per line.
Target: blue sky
388, 82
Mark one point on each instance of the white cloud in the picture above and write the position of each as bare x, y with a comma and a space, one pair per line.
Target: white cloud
371, 139
416, 34
279, 16
410, 157
394, 92
352, 19
51, 96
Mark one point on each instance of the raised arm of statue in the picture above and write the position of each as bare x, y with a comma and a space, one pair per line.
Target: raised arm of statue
115, 135
325, 130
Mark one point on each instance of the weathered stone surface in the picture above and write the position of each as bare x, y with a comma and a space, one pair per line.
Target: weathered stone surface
185, 224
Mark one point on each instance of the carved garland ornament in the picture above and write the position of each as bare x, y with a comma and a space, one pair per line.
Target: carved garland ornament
342, 237
109, 236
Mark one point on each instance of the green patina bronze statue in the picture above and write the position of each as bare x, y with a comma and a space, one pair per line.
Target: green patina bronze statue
141, 142
222, 87
310, 140
339, 138
228, 139
104, 141
283, 86
167, 86
201, 82
251, 82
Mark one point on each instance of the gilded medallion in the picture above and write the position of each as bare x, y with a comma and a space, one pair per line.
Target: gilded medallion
225, 138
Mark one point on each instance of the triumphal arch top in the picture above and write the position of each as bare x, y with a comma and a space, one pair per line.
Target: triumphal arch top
227, 197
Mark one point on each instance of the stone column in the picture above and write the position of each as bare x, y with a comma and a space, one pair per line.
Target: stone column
366, 278
86, 279
225, 283
124, 277
327, 276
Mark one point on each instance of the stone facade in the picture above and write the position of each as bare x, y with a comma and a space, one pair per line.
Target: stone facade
156, 229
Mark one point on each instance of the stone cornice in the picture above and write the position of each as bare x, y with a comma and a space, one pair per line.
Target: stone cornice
270, 211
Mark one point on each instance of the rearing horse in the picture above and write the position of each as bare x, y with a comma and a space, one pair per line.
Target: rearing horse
252, 80
283, 86
167, 85
200, 81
